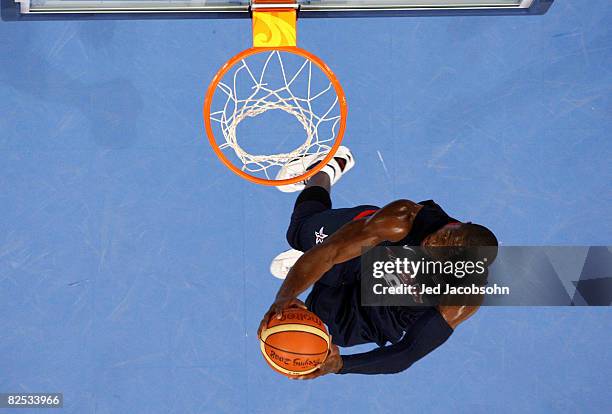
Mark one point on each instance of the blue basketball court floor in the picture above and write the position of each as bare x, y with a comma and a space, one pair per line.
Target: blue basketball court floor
134, 266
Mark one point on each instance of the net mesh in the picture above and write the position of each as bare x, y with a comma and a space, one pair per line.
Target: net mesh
250, 89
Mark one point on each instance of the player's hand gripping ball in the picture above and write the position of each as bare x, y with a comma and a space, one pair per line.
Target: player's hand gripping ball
296, 344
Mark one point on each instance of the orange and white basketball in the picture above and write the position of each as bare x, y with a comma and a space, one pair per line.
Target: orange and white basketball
296, 344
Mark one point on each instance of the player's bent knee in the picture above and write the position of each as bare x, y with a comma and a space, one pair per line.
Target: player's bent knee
292, 237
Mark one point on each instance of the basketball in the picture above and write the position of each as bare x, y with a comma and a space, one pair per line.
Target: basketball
296, 344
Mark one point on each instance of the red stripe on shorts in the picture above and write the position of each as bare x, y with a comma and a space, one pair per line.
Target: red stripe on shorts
364, 213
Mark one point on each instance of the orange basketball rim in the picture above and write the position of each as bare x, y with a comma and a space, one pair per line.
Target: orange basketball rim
274, 34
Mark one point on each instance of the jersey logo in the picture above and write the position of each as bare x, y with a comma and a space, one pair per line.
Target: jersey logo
320, 236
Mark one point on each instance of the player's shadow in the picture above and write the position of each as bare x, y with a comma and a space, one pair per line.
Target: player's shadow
112, 107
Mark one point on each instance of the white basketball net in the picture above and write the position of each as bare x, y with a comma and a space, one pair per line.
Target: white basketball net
263, 96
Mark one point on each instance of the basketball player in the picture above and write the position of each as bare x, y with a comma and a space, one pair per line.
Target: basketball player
332, 241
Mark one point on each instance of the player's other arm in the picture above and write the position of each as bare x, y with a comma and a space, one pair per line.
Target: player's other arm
430, 331
425, 336
391, 223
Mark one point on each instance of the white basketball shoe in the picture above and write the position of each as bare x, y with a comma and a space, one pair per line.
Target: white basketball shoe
282, 263
300, 165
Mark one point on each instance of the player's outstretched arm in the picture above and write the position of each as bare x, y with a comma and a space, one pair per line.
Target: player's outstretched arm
391, 223
429, 332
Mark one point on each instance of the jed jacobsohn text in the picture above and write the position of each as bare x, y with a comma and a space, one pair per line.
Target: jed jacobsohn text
404, 289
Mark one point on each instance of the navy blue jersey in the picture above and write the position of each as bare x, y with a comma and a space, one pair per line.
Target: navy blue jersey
336, 297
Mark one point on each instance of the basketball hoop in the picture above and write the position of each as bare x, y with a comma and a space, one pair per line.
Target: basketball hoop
275, 75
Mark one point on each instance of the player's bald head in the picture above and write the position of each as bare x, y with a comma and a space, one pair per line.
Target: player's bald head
480, 238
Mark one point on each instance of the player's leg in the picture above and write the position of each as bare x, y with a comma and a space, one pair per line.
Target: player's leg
320, 179
283, 262
313, 207
313, 218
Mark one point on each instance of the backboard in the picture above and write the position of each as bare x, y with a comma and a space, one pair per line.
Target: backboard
120, 9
